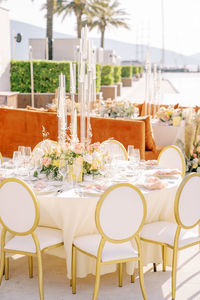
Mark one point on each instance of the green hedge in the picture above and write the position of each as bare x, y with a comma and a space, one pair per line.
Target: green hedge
135, 70
141, 70
98, 77
46, 76
126, 71
107, 77
117, 74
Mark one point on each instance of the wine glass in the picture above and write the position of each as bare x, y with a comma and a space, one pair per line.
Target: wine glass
136, 156
17, 159
130, 152
63, 169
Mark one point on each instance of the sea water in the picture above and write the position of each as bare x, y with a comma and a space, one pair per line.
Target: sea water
187, 86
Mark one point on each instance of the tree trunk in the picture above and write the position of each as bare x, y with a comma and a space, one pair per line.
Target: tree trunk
49, 33
79, 26
102, 38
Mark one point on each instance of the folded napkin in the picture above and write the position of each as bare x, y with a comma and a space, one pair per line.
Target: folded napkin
96, 186
151, 162
154, 183
166, 172
39, 185
2, 178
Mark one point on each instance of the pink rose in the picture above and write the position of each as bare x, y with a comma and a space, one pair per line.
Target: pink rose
194, 155
78, 148
46, 161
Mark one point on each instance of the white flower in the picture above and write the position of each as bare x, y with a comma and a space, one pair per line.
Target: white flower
88, 158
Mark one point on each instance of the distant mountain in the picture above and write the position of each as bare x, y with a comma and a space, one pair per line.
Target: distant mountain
127, 51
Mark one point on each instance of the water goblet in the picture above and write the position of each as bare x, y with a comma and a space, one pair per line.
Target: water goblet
131, 152
63, 169
136, 156
17, 159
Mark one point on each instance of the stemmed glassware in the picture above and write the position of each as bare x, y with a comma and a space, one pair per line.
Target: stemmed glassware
63, 169
131, 152
17, 159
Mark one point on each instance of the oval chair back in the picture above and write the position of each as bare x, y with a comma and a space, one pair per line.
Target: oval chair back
171, 157
116, 148
45, 144
187, 202
120, 213
19, 211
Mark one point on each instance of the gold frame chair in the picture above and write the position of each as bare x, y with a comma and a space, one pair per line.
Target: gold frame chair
104, 239
180, 154
43, 141
119, 144
1, 158
4, 264
180, 226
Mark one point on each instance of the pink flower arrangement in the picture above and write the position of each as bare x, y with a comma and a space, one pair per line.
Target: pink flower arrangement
46, 161
78, 148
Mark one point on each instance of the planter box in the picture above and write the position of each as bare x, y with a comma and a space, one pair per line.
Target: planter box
9, 99
127, 81
109, 91
41, 99
119, 89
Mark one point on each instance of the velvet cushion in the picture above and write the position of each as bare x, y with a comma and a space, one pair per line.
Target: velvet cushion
149, 139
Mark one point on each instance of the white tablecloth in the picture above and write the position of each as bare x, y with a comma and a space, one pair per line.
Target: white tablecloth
165, 135
75, 216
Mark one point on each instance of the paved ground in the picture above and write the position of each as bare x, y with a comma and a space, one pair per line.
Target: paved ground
136, 93
56, 285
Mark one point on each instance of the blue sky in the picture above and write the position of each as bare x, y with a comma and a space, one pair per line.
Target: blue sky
182, 25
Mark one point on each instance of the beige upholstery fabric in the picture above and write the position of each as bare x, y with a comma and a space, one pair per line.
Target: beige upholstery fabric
90, 244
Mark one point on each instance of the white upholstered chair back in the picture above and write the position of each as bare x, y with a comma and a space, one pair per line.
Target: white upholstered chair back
120, 212
171, 157
19, 212
115, 148
187, 203
45, 144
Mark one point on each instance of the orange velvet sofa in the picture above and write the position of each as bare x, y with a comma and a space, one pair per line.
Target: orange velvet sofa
24, 127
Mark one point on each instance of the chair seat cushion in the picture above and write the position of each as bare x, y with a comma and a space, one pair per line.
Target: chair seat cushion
164, 232
46, 236
111, 251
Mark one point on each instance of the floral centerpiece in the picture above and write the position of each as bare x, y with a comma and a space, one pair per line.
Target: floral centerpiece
169, 115
117, 109
193, 137
91, 158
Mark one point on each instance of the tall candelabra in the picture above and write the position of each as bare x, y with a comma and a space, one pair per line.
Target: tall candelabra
62, 111
86, 86
86, 95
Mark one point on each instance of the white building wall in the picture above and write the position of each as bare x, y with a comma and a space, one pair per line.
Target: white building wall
38, 48
4, 50
65, 49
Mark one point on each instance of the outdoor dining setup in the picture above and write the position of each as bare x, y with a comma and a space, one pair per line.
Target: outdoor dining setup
97, 191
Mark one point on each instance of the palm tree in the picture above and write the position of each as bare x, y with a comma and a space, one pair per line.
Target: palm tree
105, 14
78, 7
49, 6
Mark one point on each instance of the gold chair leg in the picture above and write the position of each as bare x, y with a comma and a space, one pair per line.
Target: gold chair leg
40, 275
70, 282
133, 277
97, 280
6, 268
141, 278
73, 270
164, 248
174, 266
30, 266
120, 270
2, 266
